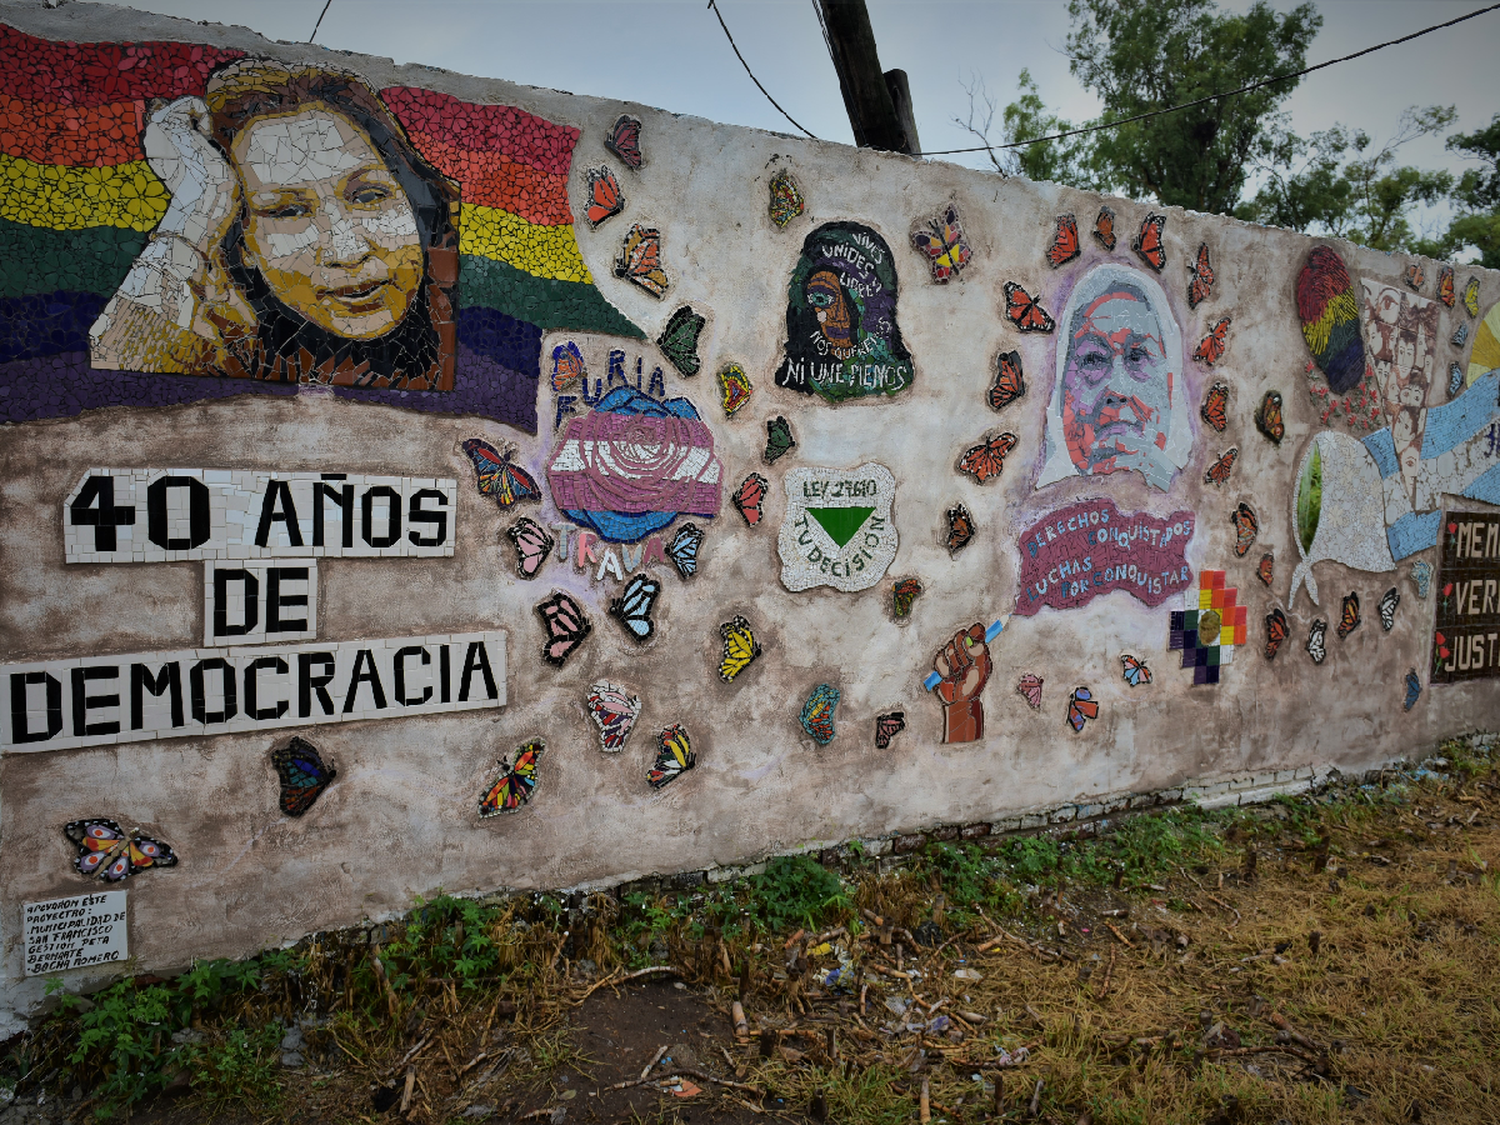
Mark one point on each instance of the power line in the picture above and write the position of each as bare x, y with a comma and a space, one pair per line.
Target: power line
714, 5
326, 5
1210, 97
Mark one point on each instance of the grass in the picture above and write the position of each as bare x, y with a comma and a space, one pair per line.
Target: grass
1108, 958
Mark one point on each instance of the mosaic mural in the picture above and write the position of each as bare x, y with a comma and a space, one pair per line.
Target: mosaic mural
181, 223
842, 339
1119, 401
268, 227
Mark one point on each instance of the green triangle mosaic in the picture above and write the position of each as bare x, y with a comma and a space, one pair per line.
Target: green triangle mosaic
840, 523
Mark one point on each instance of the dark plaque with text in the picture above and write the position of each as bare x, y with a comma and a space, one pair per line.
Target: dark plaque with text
1466, 639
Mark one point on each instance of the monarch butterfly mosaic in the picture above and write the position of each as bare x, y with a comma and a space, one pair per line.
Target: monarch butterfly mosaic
1010, 384
1064, 246
1024, 311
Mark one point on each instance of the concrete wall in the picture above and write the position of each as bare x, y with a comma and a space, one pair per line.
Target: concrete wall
132, 349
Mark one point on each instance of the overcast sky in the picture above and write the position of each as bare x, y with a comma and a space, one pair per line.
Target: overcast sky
673, 54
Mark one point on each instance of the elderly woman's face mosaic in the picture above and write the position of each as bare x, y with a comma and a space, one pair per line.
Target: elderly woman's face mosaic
1117, 382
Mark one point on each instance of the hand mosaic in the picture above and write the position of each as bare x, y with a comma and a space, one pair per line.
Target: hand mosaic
1209, 628
516, 785
1120, 400
1415, 276
842, 339
108, 851
303, 775
963, 667
817, 714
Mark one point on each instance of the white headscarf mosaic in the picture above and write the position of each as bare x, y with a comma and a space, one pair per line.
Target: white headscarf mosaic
1093, 285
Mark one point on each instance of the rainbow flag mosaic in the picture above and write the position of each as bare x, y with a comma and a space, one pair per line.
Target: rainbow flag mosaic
78, 202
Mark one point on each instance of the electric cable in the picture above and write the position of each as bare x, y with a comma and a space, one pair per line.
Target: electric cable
714, 5
1211, 97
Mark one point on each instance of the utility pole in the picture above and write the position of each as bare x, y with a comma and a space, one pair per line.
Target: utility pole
878, 103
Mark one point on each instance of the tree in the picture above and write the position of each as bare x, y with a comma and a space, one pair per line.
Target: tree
1064, 162
1347, 189
1477, 196
1141, 56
